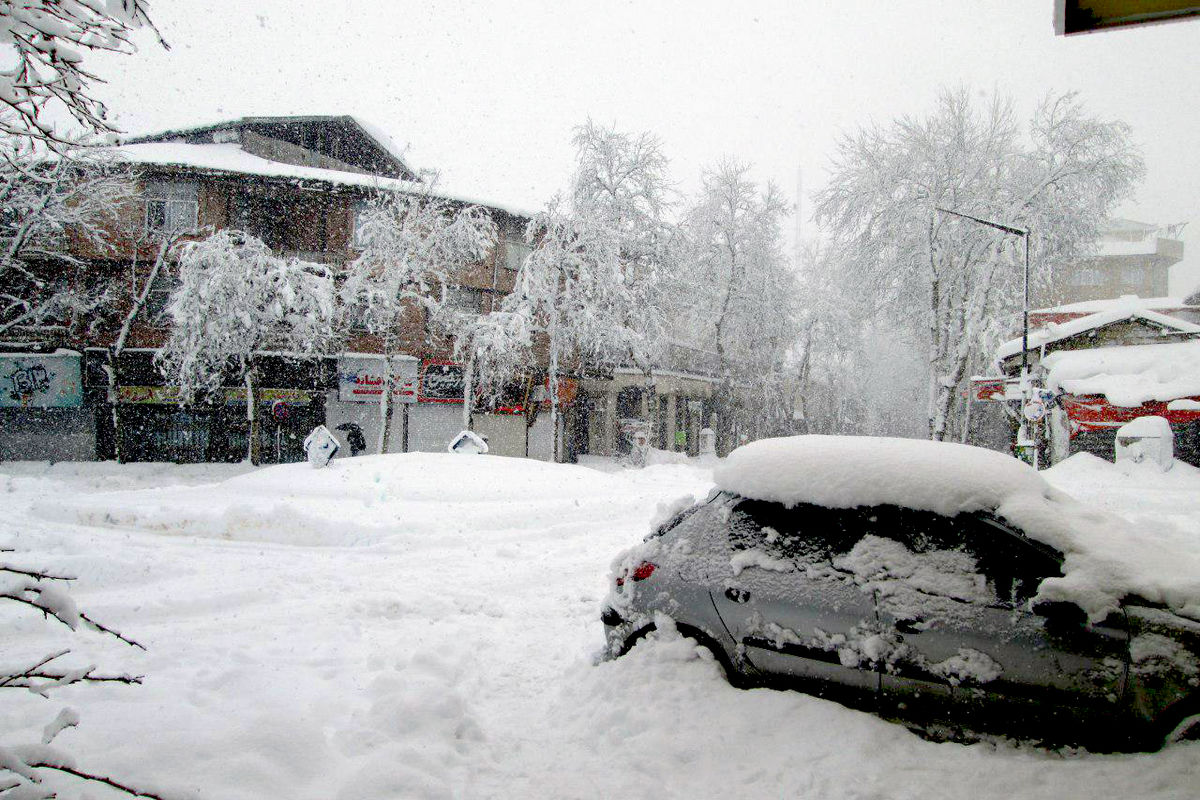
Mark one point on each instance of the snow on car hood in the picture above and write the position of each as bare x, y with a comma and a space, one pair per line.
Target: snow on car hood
1107, 558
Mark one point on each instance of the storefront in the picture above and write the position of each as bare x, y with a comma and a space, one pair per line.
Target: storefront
151, 423
155, 427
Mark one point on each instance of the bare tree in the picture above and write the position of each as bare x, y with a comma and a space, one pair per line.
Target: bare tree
236, 298
413, 247
956, 284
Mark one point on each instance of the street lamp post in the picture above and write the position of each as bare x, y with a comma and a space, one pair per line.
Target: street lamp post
1026, 389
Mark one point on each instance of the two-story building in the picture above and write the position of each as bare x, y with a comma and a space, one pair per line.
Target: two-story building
299, 184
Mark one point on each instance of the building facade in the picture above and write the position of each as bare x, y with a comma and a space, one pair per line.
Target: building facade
300, 185
1133, 258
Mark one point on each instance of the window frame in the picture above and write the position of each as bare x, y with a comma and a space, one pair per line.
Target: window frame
176, 201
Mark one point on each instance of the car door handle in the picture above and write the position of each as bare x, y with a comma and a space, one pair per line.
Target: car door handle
737, 595
909, 625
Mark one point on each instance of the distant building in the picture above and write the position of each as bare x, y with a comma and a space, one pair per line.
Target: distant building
300, 185
1103, 364
1134, 258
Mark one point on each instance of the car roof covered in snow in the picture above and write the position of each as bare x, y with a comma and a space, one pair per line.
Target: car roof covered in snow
848, 471
1105, 557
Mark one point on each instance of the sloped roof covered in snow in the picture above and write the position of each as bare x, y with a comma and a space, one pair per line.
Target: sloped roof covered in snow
1106, 558
231, 158
363, 143
1119, 312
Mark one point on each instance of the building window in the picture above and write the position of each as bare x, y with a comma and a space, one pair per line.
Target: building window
360, 214
172, 206
1088, 277
515, 253
464, 298
1133, 275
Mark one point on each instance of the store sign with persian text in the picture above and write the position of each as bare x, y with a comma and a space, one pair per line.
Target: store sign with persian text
49, 380
361, 378
441, 382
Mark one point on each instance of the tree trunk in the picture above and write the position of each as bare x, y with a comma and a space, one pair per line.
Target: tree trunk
385, 404
552, 380
253, 447
468, 392
114, 352
651, 392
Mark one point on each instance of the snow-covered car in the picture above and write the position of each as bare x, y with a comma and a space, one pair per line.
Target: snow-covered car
944, 585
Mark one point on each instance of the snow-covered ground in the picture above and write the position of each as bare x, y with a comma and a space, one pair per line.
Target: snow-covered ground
424, 625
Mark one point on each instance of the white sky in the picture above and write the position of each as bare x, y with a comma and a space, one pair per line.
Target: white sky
488, 92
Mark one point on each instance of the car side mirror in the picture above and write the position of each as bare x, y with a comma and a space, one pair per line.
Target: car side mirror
1060, 613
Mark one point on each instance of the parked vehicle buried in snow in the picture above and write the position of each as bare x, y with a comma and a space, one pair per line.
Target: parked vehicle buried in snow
939, 584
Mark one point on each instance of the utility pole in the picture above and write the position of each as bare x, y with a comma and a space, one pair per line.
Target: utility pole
1024, 440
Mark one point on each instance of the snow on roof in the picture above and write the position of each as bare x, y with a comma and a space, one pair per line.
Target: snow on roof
232, 158
385, 142
1118, 312
1106, 558
1128, 375
1128, 300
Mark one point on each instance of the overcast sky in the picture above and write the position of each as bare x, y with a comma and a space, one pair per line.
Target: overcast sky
488, 92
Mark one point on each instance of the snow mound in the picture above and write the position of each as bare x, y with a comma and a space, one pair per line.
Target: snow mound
1106, 557
359, 501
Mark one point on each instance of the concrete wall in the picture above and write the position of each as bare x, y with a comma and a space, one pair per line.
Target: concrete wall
505, 433
47, 434
366, 415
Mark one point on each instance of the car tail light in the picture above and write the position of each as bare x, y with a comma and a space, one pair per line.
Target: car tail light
640, 572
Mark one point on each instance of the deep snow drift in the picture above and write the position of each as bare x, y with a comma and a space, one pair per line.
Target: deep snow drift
424, 626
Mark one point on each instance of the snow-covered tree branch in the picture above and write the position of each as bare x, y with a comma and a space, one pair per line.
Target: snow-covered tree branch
236, 298
24, 768
48, 40
54, 208
413, 247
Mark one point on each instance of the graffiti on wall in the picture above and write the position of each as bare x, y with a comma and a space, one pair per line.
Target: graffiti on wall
41, 381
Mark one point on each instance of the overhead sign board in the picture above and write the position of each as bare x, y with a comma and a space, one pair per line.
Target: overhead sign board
47, 380
360, 379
